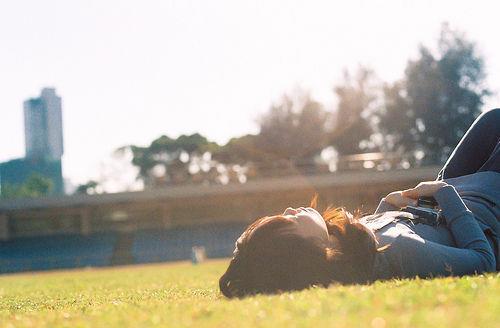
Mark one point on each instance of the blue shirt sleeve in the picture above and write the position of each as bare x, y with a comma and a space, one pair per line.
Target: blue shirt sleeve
411, 255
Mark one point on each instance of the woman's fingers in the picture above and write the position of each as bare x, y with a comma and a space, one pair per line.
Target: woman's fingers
411, 193
399, 200
424, 189
408, 201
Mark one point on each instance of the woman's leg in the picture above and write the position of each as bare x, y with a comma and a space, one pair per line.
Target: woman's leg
478, 150
493, 163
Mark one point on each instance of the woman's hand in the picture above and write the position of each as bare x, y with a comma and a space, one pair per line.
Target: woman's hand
424, 189
396, 198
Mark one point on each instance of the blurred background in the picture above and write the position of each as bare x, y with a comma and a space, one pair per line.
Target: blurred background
136, 132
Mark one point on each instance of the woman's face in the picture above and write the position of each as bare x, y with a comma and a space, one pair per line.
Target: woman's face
307, 223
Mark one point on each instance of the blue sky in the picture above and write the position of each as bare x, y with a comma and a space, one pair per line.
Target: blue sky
129, 71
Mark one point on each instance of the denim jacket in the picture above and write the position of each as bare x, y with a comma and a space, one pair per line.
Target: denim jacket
466, 243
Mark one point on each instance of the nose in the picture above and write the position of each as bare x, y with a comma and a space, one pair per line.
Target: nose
290, 211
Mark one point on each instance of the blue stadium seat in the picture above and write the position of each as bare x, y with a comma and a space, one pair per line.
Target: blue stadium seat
176, 244
59, 251
72, 251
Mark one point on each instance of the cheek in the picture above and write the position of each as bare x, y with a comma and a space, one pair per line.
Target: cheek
321, 224
324, 226
319, 228
305, 228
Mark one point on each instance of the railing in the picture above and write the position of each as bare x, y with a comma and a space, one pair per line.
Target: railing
371, 161
356, 162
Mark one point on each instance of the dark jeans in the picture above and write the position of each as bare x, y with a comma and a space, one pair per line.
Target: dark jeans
479, 149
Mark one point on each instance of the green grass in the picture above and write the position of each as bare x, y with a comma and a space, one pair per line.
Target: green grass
185, 295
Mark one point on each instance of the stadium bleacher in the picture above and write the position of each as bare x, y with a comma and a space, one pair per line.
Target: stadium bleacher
100, 249
58, 251
175, 244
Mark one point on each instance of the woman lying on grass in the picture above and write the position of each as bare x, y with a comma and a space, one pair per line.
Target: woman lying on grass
301, 248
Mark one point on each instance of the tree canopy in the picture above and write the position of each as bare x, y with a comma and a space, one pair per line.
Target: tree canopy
35, 186
165, 159
294, 129
421, 117
428, 111
356, 96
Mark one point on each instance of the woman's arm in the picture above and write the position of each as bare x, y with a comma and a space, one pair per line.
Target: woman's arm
414, 256
464, 227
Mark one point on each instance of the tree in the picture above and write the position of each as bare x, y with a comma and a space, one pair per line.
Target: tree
169, 161
356, 96
292, 132
35, 186
429, 110
294, 129
88, 188
240, 150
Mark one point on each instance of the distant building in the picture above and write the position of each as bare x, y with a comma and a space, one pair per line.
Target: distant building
43, 142
43, 126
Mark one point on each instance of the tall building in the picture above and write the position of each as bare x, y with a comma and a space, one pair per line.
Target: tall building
43, 126
44, 145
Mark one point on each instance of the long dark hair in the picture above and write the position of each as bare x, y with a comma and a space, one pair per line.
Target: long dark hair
269, 259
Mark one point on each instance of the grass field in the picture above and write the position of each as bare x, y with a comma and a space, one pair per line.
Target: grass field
181, 294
